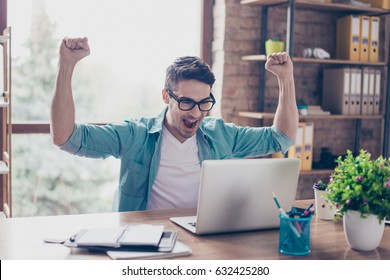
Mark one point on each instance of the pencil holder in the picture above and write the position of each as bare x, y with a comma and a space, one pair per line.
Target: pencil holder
273, 46
294, 236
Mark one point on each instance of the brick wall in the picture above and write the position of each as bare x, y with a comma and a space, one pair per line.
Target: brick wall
237, 33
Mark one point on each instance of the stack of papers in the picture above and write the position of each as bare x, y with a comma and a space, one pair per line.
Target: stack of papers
312, 110
141, 241
316, 110
179, 250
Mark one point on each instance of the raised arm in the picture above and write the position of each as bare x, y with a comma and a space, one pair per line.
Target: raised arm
62, 107
286, 116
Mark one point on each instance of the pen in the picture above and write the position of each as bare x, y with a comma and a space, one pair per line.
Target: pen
283, 213
73, 238
305, 214
307, 211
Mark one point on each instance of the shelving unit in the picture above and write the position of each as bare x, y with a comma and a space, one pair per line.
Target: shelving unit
5, 124
317, 5
262, 57
325, 122
259, 115
321, 7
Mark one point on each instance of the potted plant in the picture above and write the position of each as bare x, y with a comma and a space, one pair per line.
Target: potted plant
325, 210
359, 187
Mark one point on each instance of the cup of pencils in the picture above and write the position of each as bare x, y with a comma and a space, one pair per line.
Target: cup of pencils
294, 236
273, 46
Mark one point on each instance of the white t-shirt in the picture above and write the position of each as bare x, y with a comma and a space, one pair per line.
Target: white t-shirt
177, 182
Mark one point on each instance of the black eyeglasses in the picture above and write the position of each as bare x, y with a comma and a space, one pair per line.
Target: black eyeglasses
187, 104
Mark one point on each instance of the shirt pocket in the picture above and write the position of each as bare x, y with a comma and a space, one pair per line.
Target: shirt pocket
134, 180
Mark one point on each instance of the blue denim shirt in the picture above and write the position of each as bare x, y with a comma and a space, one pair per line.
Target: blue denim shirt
138, 144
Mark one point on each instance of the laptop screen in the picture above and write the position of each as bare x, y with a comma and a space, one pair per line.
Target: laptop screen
236, 194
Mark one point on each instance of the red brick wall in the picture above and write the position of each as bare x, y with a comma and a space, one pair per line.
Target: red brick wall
237, 33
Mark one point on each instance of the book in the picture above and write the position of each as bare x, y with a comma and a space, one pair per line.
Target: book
99, 237
166, 244
317, 112
146, 235
312, 110
131, 235
179, 250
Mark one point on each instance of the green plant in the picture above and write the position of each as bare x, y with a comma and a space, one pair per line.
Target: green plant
362, 184
320, 185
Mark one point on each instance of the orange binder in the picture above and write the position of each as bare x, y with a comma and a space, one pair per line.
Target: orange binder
383, 4
295, 151
348, 38
307, 157
373, 41
364, 37
336, 90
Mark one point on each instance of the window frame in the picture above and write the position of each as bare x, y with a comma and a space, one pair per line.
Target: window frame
34, 127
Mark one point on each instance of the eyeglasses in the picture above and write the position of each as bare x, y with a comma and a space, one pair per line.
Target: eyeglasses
187, 104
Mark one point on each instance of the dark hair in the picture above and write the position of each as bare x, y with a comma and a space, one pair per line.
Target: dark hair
188, 68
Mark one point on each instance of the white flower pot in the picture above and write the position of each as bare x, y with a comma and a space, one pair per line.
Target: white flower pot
324, 209
362, 233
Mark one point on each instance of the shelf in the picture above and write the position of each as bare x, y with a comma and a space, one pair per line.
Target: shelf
316, 172
318, 5
262, 115
263, 57
3, 168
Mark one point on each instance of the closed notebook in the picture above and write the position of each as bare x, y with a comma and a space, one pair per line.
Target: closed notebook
99, 237
166, 244
145, 235
132, 235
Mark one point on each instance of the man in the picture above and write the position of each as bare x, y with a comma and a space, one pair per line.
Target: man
161, 156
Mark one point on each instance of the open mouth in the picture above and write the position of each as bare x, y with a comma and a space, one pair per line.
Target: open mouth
189, 124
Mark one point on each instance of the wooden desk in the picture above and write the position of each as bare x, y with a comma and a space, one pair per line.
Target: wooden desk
22, 238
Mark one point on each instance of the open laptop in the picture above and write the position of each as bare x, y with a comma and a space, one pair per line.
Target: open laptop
236, 194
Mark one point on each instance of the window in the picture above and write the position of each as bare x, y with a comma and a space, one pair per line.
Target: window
132, 43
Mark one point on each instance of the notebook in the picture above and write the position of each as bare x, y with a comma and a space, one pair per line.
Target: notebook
131, 235
236, 194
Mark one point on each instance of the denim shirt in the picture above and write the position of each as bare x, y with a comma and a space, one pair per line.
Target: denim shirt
137, 143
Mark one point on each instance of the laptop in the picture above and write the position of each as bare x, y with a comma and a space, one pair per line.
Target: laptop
236, 194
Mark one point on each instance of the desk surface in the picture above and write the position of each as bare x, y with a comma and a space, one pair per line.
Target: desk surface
22, 238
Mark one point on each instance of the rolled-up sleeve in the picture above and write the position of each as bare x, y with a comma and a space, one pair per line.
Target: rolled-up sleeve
228, 140
282, 139
93, 141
